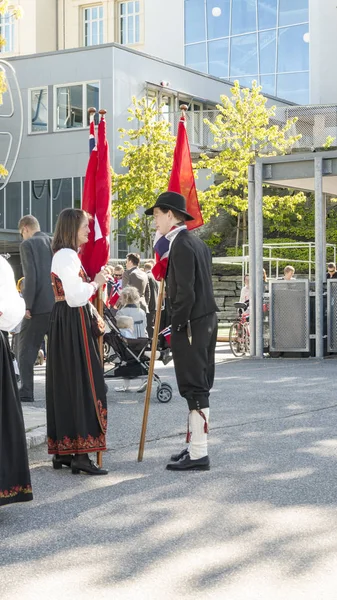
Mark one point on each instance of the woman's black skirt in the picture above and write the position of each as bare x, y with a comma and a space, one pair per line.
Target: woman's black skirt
14, 472
75, 387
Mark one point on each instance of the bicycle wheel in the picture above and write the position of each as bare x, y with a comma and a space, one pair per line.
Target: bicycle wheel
246, 337
237, 339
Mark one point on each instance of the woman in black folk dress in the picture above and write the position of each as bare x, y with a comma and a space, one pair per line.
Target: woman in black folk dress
15, 483
75, 388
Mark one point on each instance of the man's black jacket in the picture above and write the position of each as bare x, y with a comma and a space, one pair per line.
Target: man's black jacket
189, 279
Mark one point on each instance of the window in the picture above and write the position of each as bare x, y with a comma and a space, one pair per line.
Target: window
7, 25
93, 25
72, 102
244, 55
129, 22
293, 11
40, 191
121, 238
195, 57
294, 87
38, 110
267, 13
195, 30
13, 204
293, 51
218, 58
267, 49
243, 16
218, 13
195, 123
62, 196
268, 84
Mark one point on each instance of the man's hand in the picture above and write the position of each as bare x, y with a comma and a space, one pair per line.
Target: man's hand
28, 315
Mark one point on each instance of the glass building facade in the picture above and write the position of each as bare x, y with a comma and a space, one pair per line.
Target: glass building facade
265, 40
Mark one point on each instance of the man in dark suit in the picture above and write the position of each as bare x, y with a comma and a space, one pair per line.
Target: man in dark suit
135, 277
36, 257
194, 322
151, 315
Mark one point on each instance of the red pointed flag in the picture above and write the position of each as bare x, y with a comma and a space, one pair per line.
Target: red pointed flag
182, 177
97, 202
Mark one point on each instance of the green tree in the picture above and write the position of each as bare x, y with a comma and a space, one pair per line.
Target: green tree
242, 131
148, 154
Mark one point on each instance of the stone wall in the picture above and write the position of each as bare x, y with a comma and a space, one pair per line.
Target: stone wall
227, 290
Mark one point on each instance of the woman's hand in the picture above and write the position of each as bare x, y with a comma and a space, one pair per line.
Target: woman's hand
100, 279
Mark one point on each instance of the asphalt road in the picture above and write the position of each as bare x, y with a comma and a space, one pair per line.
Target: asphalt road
260, 525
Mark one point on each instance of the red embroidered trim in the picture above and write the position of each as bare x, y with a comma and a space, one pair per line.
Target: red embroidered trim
15, 490
78, 445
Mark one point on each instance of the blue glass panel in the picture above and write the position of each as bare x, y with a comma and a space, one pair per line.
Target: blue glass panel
195, 57
218, 58
293, 51
41, 203
245, 81
217, 24
94, 12
195, 26
94, 33
268, 84
243, 16
267, 13
243, 55
294, 87
267, 42
293, 11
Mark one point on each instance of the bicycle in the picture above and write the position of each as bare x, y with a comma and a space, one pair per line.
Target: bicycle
239, 334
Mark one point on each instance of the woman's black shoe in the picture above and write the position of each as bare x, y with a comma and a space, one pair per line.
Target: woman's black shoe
58, 461
87, 466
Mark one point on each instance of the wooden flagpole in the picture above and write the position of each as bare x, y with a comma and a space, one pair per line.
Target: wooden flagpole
151, 370
99, 306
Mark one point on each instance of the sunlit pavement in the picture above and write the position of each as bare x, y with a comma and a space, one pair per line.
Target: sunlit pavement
260, 525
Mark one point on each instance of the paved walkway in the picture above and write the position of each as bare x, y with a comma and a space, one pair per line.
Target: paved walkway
260, 525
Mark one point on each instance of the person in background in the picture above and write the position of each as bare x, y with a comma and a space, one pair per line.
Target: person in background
245, 292
135, 277
332, 273
36, 257
116, 287
151, 315
15, 484
129, 301
75, 387
289, 272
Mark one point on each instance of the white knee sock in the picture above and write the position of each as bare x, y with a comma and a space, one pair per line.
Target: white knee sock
198, 444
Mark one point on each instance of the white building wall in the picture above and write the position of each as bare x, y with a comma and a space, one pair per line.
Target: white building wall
164, 29
323, 51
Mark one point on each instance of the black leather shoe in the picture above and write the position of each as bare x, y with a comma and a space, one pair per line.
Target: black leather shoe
87, 467
186, 463
58, 461
176, 457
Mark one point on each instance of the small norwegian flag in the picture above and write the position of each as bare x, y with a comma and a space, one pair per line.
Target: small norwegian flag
115, 293
167, 334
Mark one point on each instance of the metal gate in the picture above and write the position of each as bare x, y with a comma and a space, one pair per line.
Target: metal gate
332, 314
290, 316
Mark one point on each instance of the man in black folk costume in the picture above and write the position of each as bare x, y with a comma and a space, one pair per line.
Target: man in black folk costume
15, 483
194, 322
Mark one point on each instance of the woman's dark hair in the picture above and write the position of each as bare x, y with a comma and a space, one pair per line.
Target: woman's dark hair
68, 223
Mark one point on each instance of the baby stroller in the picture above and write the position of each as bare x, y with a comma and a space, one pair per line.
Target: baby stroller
129, 357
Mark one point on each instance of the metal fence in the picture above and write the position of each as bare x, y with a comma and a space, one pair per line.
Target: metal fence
332, 315
317, 126
289, 316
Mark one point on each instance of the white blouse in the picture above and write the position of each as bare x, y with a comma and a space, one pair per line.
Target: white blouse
12, 306
67, 265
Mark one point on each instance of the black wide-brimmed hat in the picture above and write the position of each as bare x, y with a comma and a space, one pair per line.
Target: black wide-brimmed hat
173, 201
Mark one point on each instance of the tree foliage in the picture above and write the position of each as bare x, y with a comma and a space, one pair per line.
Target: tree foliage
147, 155
242, 131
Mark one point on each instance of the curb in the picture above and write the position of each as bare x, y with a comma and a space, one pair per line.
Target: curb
36, 437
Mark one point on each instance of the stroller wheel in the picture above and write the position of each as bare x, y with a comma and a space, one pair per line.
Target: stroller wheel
164, 392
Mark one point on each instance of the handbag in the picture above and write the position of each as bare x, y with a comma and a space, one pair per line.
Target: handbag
97, 323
